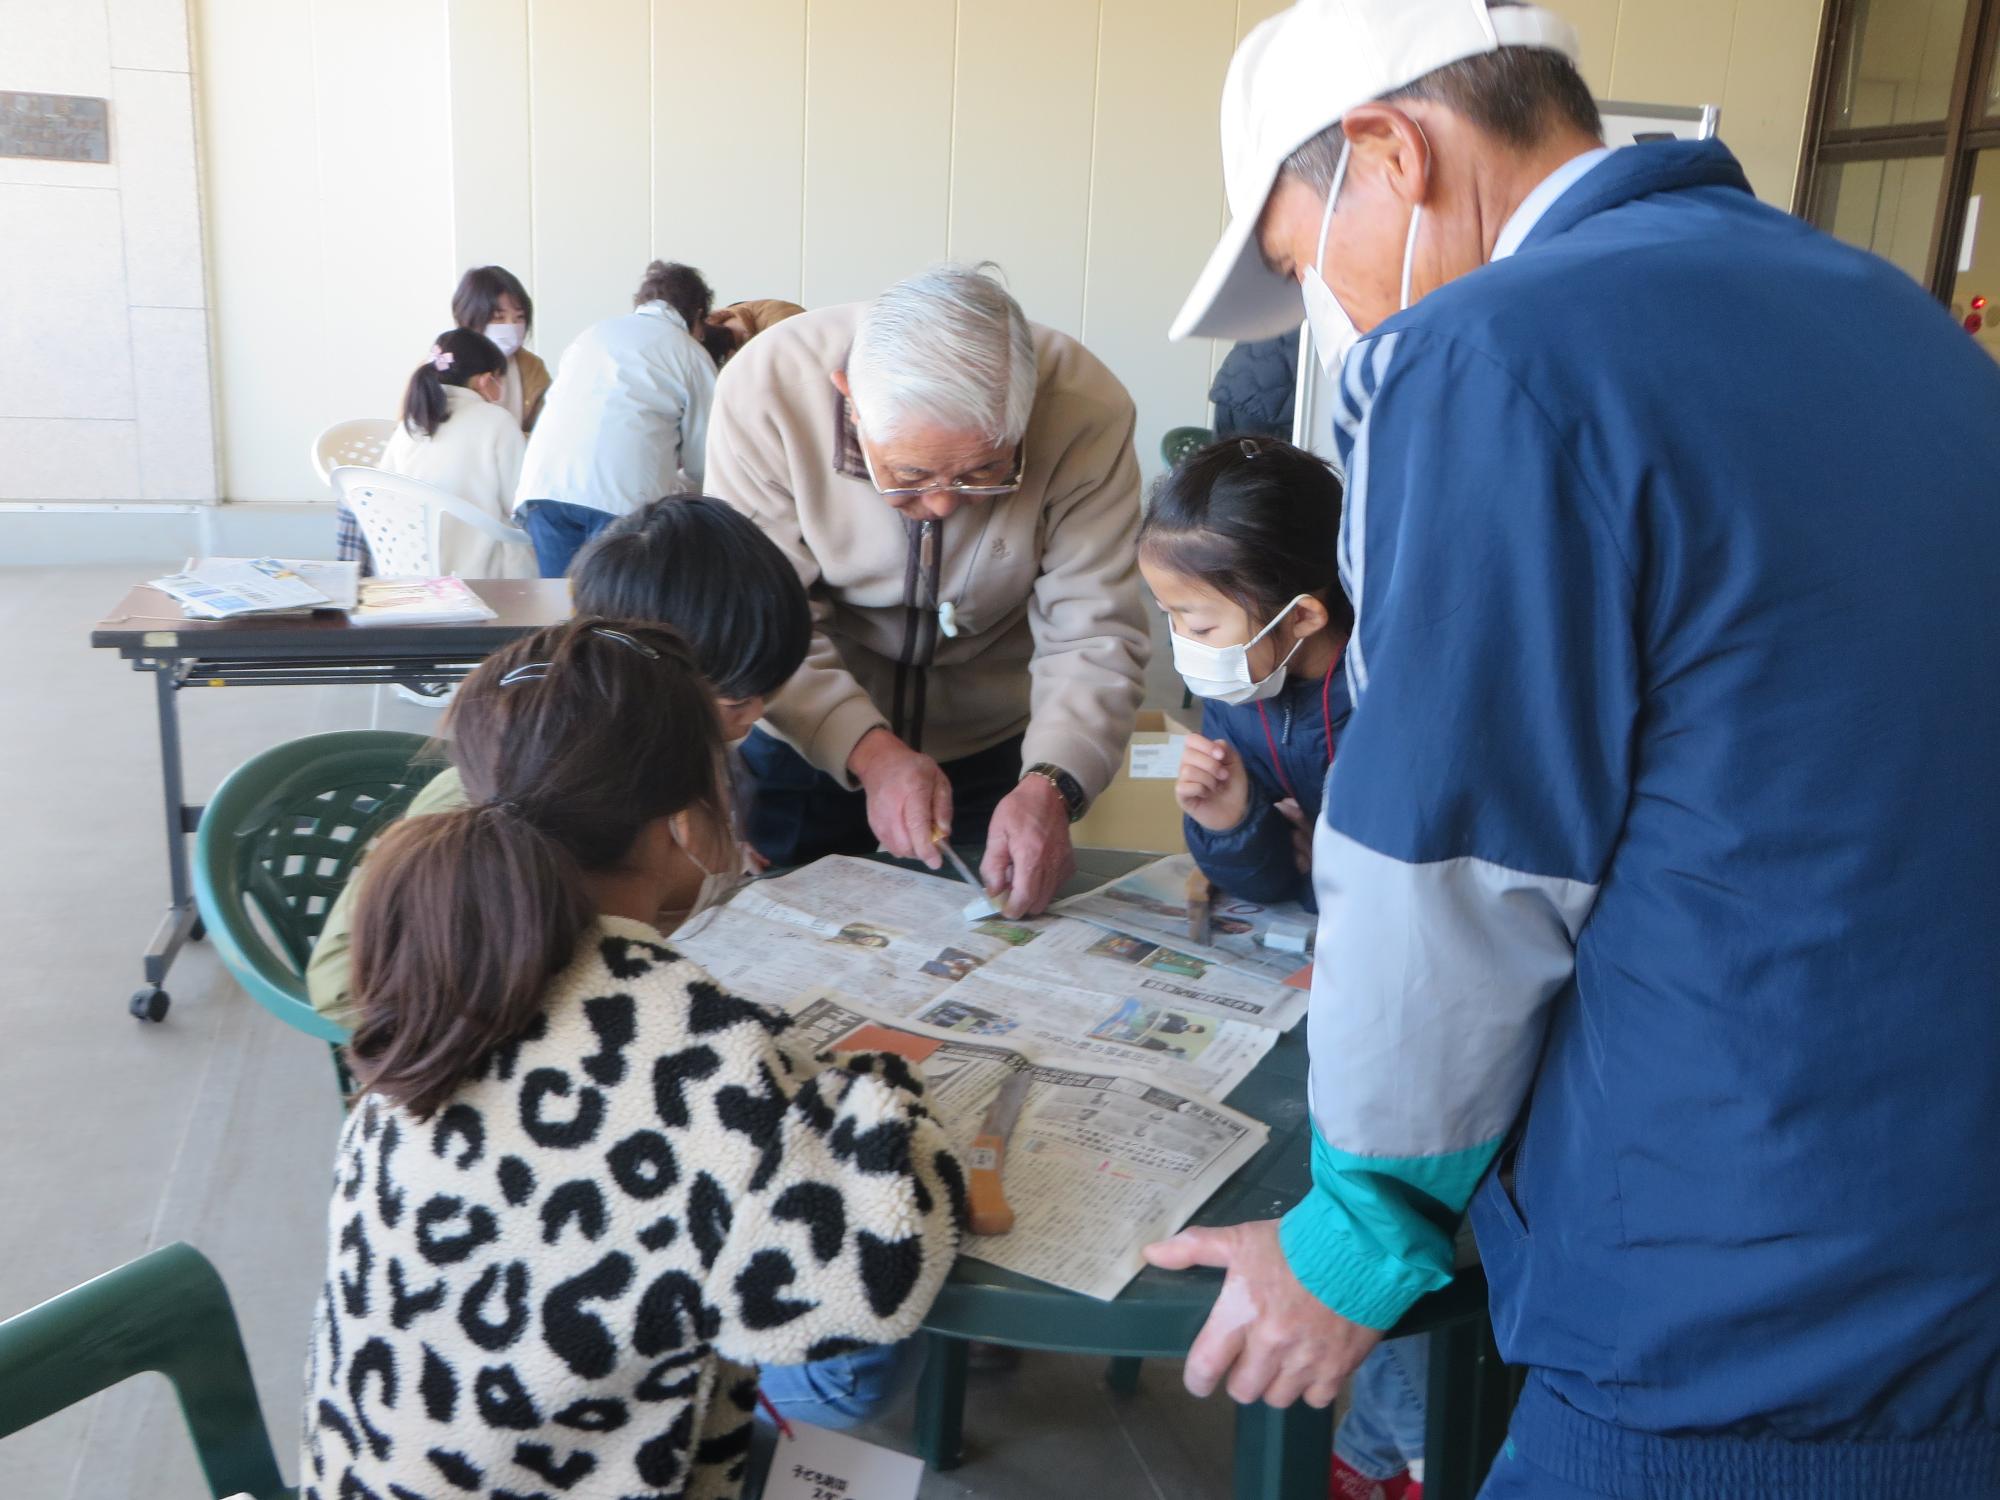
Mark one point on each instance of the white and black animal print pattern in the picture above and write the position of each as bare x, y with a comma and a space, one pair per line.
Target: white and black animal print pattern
560, 1284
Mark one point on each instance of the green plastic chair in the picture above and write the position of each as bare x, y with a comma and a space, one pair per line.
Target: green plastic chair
1181, 441
166, 1312
279, 841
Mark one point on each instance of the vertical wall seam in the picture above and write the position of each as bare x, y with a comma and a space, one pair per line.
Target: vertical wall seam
1090, 177
805, 136
951, 127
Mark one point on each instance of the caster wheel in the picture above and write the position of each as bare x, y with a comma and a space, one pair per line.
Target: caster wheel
197, 932
149, 1004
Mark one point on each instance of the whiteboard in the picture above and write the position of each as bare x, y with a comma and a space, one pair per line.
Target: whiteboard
1624, 125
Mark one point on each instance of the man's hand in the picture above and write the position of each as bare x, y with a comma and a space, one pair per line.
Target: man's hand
908, 795
1028, 852
1272, 1340
1212, 787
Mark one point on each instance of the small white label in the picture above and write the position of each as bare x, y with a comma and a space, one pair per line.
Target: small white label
1159, 761
160, 640
815, 1464
982, 1159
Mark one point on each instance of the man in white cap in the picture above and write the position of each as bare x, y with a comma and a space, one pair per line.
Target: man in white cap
1660, 861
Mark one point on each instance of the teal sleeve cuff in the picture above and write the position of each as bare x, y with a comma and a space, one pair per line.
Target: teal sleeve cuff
1375, 1232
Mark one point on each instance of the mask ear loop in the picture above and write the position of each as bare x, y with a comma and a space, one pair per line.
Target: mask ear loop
1326, 217
1416, 219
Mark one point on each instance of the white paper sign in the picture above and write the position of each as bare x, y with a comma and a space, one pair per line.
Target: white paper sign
815, 1464
1158, 762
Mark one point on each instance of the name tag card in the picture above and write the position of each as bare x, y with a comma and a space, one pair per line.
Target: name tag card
1160, 761
815, 1464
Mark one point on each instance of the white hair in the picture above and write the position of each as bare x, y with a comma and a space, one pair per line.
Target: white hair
948, 346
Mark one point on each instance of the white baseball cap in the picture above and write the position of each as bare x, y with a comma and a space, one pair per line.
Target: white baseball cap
1295, 75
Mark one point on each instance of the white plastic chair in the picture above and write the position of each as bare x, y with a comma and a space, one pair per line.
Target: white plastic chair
403, 520
360, 441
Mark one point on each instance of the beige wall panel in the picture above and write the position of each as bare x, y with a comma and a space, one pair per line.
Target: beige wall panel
729, 141
264, 205
1596, 23
492, 179
1672, 51
1020, 182
382, 226
1154, 215
1764, 101
589, 87
878, 143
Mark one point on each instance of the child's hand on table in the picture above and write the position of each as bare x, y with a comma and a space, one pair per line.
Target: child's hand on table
1212, 787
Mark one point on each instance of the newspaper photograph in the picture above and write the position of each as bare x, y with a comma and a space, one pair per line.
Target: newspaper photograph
1100, 1163
1270, 942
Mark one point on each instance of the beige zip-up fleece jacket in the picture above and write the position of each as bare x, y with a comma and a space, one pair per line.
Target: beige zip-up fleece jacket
1043, 584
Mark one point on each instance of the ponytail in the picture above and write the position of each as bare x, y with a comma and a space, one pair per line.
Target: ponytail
569, 741
463, 920
458, 357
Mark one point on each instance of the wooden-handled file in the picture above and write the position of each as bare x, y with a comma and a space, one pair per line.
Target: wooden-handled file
991, 1213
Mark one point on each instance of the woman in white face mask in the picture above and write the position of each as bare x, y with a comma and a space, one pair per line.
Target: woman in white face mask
1238, 546
492, 301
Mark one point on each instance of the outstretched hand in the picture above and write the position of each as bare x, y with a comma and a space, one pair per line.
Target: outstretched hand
1269, 1338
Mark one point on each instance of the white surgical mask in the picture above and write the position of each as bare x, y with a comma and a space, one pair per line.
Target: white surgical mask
717, 887
1223, 672
506, 337
1333, 330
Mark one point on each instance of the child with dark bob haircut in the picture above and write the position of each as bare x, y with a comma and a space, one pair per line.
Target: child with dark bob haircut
584, 1193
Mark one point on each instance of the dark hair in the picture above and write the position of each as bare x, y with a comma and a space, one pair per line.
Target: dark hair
1255, 519
705, 569
717, 340
569, 741
463, 355
478, 297
1518, 95
682, 288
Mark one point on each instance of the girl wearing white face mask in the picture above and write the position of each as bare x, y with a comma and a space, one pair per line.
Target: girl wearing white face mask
1238, 546
551, 1097
492, 301
455, 435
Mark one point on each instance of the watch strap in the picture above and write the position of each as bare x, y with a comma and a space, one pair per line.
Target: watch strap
1067, 786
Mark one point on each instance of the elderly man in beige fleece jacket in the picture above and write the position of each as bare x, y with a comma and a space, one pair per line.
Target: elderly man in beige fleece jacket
958, 490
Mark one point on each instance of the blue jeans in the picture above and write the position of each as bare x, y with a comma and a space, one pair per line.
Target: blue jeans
841, 1392
559, 531
1383, 1431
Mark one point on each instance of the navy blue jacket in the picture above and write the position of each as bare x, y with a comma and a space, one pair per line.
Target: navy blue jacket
1255, 388
1254, 859
1668, 818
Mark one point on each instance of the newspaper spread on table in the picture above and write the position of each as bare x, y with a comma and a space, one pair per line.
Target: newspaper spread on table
1271, 942
1100, 1164
1130, 1042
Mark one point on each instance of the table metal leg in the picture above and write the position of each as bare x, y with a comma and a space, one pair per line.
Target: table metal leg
1470, 1400
941, 1402
1122, 1375
1283, 1454
178, 925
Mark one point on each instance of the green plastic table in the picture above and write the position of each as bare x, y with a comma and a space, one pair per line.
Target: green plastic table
1280, 1454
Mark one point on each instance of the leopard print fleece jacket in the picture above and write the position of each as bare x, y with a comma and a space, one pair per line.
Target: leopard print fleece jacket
560, 1284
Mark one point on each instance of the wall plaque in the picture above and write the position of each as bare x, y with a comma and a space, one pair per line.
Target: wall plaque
54, 127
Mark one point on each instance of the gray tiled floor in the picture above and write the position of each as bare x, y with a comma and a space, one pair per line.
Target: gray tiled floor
217, 1126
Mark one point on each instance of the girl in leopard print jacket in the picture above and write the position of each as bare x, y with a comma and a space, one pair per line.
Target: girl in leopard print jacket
585, 1191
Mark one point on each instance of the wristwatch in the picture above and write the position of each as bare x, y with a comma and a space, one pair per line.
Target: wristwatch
1067, 786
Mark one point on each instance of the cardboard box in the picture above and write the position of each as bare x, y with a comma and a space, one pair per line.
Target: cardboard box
1137, 811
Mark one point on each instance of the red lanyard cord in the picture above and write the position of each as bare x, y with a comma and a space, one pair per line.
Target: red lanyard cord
1326, 719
